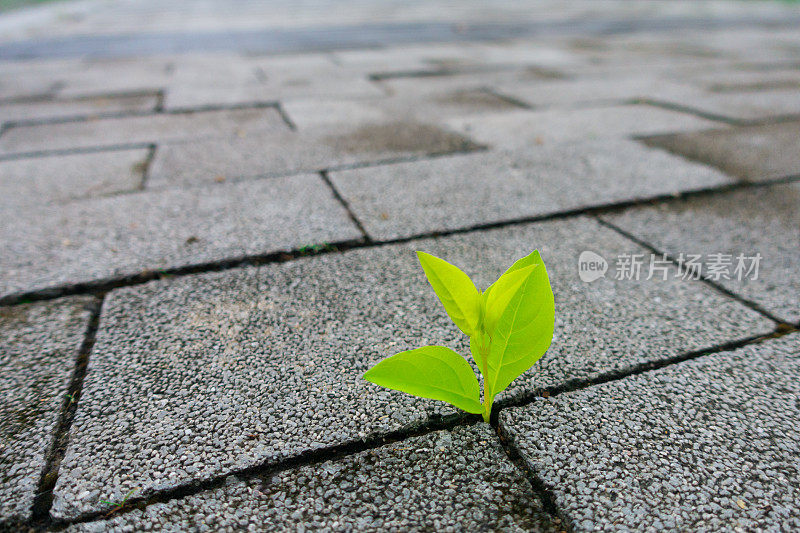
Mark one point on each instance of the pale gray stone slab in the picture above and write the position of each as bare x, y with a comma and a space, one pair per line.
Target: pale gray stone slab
754, 221
447, 193
118, 236
39, 345
751, 153
704, 445
527, 129
160, 127
57, 179
273, 356
90, 107
295, 152
447, 480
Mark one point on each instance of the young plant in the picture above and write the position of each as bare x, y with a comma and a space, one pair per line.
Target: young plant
509, 325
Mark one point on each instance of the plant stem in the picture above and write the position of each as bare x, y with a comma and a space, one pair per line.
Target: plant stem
487, 398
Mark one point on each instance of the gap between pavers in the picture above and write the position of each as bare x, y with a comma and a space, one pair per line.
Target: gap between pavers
104, 238
446, 480
201, 376
709, 444
39, 344
157, 127
759, 220
58, 179
462, 191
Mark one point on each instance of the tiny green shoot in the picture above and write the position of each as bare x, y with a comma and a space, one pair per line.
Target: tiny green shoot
509, 325
119, 505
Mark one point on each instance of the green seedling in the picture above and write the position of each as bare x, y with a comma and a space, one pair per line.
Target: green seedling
509, 325
119, 505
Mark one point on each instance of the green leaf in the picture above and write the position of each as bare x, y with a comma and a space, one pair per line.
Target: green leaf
524, 329
502, 291
532, 258
433, 372
455, 290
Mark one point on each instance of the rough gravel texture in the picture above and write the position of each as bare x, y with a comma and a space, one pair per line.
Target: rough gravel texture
39, 345
705, 445
273, 356
762, 221
134, 233
751, 153
458, 480
419, 197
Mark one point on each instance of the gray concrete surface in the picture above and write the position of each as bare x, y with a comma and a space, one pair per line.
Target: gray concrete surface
278, 352
272, 154
58, 179
140, 129
761, 221
752, 153
453, 192
707, 445
123, 235
38, 350
242, 187
458, 480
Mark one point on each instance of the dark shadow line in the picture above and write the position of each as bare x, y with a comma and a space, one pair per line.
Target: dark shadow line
43, 499
682, 269
540, 488
344, 203
271, 467
680, 108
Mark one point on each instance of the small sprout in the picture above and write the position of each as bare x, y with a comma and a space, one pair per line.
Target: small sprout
510, 326
120, 505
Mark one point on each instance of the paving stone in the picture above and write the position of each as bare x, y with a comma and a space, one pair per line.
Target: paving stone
39, 344
273, 356
404, 199
525, 129
159, 127
295, 152
704, 445
127, 234
751, 153
744, 106
751, 221
459, 480
83, 107
61, 178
